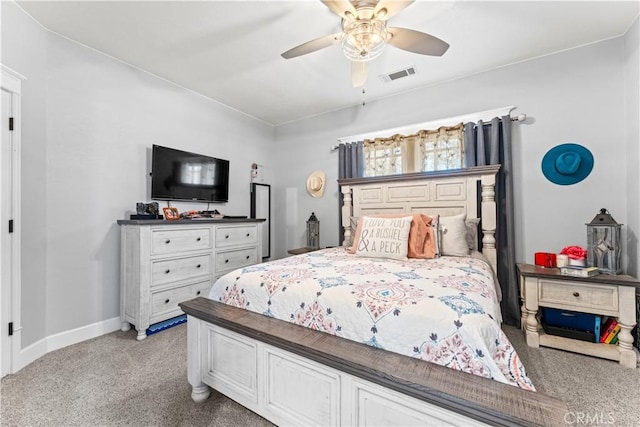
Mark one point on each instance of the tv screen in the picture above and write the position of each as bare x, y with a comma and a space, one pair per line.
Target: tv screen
180, 175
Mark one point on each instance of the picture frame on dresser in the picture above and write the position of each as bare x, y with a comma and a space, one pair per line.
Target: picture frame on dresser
171, 213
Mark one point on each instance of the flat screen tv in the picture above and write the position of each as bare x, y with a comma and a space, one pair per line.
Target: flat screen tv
180, 175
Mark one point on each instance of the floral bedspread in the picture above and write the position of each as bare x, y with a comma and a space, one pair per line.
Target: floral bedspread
441, 310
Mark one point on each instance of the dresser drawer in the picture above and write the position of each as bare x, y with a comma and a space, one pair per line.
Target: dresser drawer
165, 241
578, 295
164, 302
230, 260
237, 235
172, 270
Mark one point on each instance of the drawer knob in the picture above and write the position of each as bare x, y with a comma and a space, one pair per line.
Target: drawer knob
167, 241
198, 239
226, 261
248, 234
576, 294
226, 237
198, 266
247, 256
198, 293
166, 301
167, 271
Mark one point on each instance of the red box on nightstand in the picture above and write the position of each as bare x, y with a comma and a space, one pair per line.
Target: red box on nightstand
545, 259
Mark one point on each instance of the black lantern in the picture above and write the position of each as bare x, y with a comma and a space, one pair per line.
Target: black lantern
603, 243
313, 232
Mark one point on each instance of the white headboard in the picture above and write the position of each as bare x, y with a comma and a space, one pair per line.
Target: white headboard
445, 193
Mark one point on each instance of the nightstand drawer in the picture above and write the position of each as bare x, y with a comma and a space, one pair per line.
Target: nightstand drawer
575, 295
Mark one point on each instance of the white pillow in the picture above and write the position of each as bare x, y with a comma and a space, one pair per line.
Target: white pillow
453, 230
472, 232
384, 237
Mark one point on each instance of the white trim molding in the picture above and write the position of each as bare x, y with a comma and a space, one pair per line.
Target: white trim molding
11, 81
64, 339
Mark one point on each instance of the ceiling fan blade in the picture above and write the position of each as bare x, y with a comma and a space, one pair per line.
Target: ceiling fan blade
312, 46
359, 72
416, 42
385, 9
342, 8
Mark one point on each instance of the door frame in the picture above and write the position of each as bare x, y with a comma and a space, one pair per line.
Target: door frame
11, 82
261, 205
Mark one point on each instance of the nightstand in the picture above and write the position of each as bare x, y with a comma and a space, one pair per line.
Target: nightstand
300, 251
602, 294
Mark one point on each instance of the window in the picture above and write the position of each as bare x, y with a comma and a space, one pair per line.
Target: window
441, 149
383, 157
425, 151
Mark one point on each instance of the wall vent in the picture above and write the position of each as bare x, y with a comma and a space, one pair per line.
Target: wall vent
406, 72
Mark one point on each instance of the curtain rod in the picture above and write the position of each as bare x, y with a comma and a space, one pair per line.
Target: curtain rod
518, 118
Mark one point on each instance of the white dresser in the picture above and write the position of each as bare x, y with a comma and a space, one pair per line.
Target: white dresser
164, 263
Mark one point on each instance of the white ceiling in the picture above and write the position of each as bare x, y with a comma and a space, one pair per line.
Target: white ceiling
230, 50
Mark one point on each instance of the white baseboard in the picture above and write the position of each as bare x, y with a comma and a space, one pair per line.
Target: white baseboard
63, 339
30, 354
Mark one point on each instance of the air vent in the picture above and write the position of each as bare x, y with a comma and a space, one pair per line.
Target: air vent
406, 72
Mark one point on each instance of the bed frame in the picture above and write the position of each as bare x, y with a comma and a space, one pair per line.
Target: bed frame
436, 193
292, 375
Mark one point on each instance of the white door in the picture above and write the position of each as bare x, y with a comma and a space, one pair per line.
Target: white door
6, 209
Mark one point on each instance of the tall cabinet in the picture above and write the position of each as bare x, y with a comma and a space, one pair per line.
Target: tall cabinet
164, 263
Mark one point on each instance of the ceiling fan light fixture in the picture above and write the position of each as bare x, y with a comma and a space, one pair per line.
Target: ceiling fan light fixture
364, 39
381, 13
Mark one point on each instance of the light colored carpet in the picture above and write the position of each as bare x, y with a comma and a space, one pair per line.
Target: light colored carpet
597, 391
115, 380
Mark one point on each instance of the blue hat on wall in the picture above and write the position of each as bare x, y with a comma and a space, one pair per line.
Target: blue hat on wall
567, 164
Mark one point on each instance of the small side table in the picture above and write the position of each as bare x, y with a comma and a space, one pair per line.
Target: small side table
601, 294
300, 251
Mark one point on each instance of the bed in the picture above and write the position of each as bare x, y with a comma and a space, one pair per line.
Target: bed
337, 338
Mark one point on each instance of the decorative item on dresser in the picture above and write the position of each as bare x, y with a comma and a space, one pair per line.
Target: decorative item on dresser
171, 213
146, 211
244, 342
313, 232
164, 263
602, 294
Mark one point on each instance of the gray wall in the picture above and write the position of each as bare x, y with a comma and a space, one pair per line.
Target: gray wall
632, 122
88, 126
89, 122
574, 96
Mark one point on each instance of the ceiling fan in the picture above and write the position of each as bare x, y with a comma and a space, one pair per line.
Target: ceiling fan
365, 33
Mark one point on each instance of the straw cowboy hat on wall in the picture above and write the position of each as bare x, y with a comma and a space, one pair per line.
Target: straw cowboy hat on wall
315, 184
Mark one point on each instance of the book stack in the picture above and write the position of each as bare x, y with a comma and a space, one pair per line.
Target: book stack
571, 270
609, 331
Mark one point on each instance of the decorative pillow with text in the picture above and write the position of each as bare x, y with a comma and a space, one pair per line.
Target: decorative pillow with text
384, 237
423, 242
